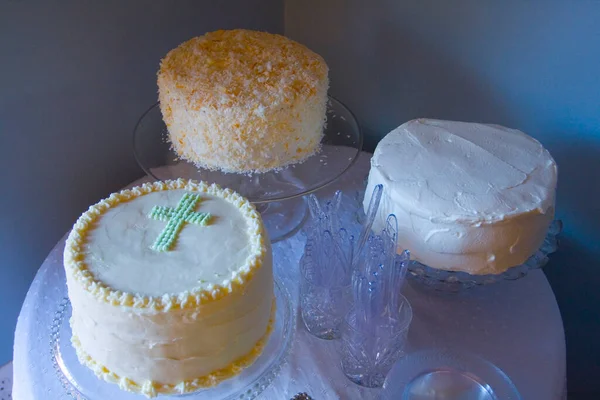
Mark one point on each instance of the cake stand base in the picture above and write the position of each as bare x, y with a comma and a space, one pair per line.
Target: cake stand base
283, 219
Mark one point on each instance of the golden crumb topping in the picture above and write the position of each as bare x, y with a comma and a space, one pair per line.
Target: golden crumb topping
242, 68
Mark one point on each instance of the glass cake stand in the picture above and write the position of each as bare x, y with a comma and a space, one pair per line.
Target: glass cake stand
80, 382
454, 282
341, 145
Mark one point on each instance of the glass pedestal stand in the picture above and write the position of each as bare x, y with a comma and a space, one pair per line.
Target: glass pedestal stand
341, 145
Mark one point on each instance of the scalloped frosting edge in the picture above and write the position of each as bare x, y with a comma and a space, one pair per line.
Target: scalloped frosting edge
75, 264
153, 389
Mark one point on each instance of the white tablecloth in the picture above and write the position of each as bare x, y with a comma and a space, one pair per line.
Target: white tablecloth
516, 325
6, 373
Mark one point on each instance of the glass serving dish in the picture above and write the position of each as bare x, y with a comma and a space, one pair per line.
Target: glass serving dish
341, 144
446, 374
80, 383
452, 282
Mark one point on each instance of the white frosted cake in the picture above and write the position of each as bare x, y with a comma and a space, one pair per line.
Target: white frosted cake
171, 286
243, 101
468, 197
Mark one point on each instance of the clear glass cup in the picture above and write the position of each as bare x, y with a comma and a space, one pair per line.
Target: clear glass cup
323, 301
369, 350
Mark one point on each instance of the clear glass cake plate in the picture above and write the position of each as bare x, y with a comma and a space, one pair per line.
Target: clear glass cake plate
436, 374
80, 383
341, 144
453, 282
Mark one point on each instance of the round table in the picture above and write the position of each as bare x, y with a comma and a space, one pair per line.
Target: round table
514, 324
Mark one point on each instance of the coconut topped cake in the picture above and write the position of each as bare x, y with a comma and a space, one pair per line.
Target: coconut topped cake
243, 101
171, 286
468, 197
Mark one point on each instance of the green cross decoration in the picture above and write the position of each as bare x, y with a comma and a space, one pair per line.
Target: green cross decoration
176, 218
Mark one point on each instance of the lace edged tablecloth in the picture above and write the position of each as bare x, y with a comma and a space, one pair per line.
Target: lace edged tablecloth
514, 324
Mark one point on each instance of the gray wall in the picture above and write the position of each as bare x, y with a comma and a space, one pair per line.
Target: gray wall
74, 78
533, 65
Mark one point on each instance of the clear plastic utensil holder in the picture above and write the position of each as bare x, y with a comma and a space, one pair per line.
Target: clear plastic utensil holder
323, 300
368, 351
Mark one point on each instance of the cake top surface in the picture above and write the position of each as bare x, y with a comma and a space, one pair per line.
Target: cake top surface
242, 68
166, 245
120, 247
451, 171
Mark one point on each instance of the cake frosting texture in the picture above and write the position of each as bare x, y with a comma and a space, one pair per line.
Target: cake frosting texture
169, 321
243, 101
468, 197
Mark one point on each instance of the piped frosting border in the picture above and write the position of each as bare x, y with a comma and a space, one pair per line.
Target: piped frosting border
74, 259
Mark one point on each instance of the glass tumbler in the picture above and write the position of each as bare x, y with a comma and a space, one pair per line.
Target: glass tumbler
324, 299
369, 350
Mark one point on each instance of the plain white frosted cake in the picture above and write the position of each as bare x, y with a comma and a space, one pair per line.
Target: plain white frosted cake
171, 286
468, 197
243, 101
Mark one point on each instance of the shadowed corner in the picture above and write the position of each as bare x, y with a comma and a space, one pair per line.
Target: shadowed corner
573, 269
389, 73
